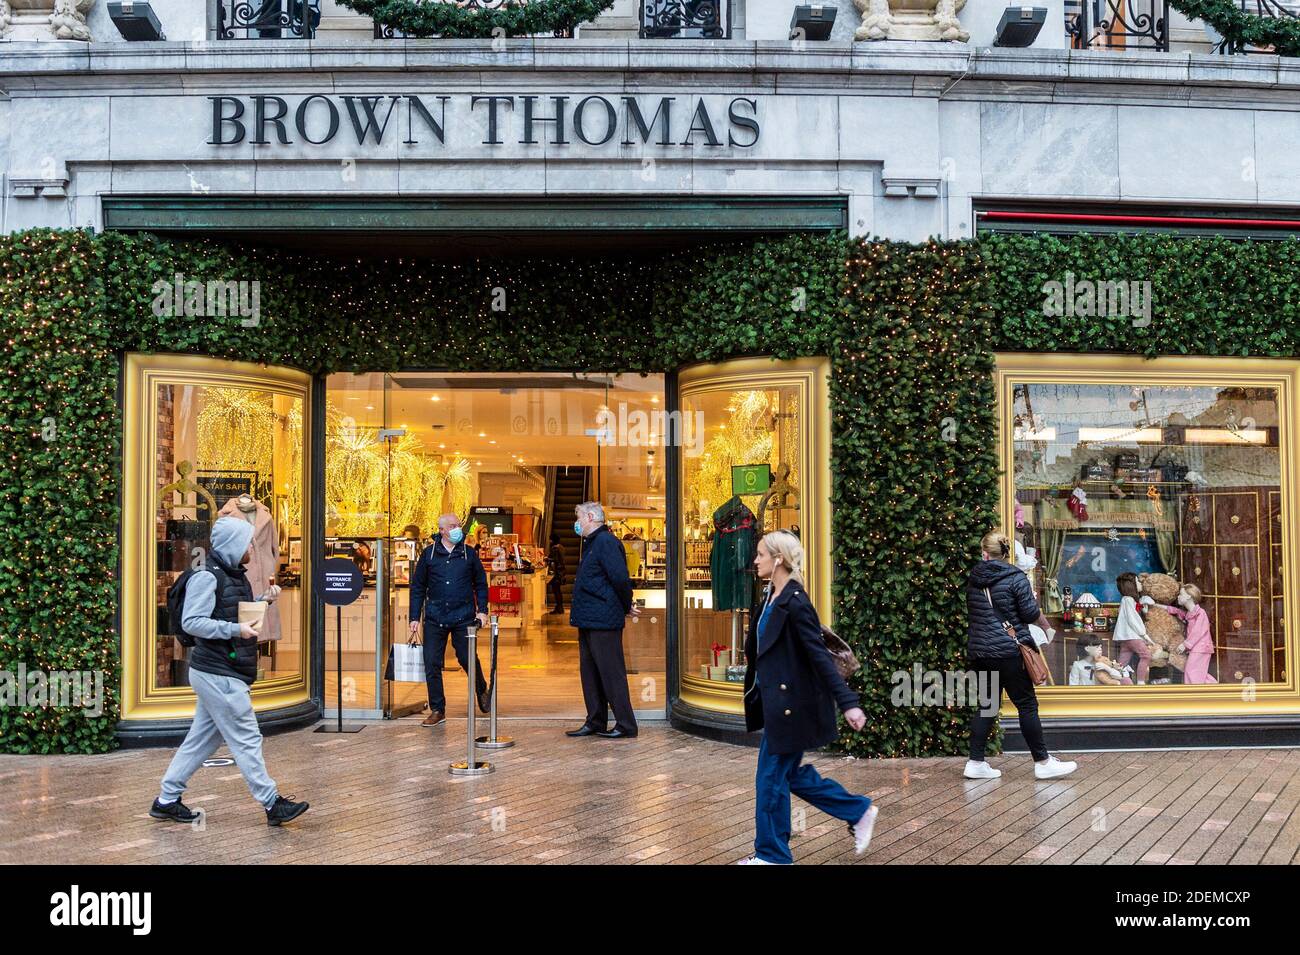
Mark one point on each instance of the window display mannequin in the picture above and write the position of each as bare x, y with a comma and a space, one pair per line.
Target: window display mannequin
1131, 629
731, 555
1094, 668
1199, 642
265, 548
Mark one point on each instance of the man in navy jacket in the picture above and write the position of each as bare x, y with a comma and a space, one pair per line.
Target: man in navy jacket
601, 604
449, 589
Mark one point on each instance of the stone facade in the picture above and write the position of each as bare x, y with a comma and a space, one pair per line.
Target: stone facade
910, 134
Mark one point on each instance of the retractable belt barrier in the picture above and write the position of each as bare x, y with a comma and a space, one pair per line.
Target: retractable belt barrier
472, 765
492, 740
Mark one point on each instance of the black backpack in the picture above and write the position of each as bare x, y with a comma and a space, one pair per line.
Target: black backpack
175, 606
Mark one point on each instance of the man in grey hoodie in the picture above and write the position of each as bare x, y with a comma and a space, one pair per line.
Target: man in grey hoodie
223, 665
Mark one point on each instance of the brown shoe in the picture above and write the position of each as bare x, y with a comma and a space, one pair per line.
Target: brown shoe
433, 718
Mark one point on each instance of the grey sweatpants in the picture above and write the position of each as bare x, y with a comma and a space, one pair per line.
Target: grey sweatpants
224, 711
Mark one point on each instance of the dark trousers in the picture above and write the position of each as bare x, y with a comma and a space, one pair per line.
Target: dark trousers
556, 588
435, 649
604, 679
779, 775
1006, 674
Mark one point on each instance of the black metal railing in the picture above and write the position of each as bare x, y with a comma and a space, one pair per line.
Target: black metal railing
267, 19
692, 19
1117, 24
1259, 8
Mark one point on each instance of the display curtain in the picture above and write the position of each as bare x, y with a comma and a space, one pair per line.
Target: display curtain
1054, 519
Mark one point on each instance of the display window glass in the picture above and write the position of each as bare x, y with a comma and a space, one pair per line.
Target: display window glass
1149, 503
751, 432
210, 439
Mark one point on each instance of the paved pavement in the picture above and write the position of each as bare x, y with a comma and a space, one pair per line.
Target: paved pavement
384, 796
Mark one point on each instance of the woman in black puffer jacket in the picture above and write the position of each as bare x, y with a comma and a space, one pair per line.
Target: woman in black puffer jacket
999, 592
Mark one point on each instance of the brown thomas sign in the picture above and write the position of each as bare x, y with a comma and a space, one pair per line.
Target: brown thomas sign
595, 120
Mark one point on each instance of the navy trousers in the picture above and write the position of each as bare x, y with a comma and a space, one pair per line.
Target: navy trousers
779, 775
435, 649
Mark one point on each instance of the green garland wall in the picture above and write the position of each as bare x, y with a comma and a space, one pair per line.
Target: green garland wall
911, 330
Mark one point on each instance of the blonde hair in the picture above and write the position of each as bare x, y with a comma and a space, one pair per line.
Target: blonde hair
996, 544
1194, 592
786, 547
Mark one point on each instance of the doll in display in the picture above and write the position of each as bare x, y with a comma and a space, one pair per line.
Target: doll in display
1093, 668
1198, 644
1131, 629
1078, 503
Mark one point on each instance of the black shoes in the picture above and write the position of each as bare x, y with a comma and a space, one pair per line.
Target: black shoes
615, 733
484, 701
174, 811
583, 730
284, 810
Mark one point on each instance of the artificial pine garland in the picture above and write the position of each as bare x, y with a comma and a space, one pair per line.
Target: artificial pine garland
450, 20
1244, 29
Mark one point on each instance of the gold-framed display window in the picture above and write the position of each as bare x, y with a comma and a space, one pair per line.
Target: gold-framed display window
206, 438
755, 457
1152, 503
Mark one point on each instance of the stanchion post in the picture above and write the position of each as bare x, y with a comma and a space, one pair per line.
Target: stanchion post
492, 740
472, 766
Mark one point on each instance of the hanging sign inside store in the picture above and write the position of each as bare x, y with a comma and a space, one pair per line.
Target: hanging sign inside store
751, 478
594, 120
223, 485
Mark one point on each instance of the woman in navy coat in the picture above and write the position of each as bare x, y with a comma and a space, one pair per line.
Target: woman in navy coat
792, 690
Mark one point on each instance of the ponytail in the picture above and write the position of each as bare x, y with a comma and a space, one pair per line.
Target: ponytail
996, 545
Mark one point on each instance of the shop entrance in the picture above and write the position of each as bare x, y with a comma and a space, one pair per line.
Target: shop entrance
510, 455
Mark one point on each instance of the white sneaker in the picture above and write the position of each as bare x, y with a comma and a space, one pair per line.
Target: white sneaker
1052, 768
980, 770
754, 860
862, 830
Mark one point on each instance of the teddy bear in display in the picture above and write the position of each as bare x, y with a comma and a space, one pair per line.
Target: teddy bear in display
1165, 630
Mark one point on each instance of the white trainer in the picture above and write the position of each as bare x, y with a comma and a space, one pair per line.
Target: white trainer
862, 829
980, 770
754, 860
1053, 768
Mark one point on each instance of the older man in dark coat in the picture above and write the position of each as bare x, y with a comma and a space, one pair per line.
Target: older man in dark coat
599, 608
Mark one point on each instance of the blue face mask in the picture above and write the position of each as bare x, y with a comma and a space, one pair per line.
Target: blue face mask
456, 534
577, 528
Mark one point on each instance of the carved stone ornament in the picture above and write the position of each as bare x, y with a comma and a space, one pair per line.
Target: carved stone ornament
910, 20
44, 19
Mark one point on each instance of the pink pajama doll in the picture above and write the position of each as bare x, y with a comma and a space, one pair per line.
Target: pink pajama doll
1199, 643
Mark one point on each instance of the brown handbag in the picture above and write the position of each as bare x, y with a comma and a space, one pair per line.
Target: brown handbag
845, 661
1034, 663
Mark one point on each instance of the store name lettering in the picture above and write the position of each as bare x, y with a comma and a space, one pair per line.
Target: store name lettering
267, 120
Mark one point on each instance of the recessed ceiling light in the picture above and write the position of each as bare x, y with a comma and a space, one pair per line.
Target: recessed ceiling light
482, 434
478, 464
435, 398
370, 407
493, 441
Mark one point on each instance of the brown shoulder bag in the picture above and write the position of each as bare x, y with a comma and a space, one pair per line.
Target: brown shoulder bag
1035, 665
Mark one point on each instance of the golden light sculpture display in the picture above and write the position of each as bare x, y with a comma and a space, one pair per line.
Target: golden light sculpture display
746, 437
373, 489
236, 430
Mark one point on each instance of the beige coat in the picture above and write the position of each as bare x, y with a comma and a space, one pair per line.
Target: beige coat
265, 560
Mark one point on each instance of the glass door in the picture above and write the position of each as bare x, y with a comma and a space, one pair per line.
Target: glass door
358, 450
